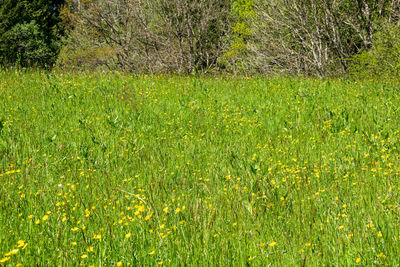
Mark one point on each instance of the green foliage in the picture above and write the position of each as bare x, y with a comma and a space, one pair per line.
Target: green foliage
39, 24
382, 61
25, 46
242, 12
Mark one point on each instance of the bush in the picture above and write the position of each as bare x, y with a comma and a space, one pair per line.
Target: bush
383, 59
24, 45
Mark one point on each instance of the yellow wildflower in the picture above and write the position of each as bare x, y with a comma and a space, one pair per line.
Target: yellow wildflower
12, 252
4, 259
22, 244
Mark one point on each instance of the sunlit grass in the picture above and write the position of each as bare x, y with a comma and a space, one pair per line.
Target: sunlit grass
112, 169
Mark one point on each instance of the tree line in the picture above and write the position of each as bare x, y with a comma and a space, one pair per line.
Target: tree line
306, 37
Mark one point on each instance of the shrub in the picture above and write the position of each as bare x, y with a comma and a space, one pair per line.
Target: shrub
383, 59
24, 45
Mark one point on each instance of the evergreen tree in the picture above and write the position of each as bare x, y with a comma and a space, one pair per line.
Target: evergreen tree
30, 31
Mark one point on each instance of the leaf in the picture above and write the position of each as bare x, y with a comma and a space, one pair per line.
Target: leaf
248, 207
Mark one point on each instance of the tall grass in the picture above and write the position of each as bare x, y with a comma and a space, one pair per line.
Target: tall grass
111, 169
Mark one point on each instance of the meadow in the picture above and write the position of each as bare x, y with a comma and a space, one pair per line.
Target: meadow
115, 170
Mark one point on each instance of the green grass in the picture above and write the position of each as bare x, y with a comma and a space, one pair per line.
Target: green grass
111, 169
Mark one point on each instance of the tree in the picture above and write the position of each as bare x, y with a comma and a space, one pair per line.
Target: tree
382, 61
234, 57
39, 25
314, 36
26, 46
151, 35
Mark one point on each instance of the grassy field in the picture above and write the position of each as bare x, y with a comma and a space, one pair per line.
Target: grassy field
118, 170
